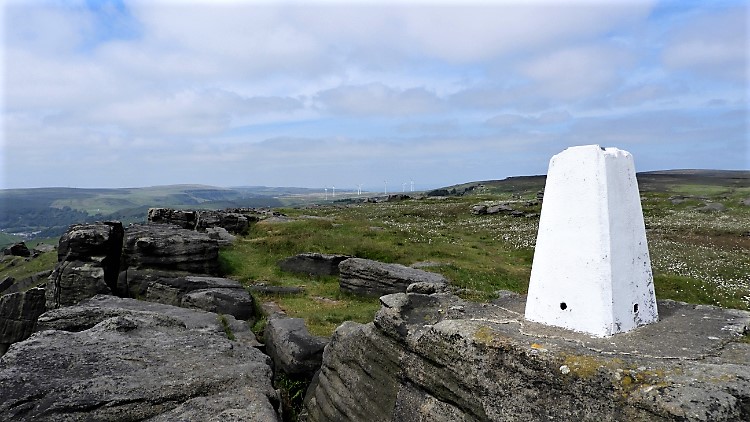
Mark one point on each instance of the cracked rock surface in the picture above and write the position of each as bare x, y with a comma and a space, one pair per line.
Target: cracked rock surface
438, 358
121, 360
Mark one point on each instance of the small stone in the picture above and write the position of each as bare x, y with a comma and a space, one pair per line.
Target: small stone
565, 370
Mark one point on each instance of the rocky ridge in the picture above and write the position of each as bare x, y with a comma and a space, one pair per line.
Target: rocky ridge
185, 353
438, 358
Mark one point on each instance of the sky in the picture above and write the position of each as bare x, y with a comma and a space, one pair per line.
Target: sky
340, 93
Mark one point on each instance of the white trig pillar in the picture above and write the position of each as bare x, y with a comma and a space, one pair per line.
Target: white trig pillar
591, 270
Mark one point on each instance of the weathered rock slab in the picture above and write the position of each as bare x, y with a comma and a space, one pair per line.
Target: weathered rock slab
84, 241
98, 308
170, 248
235, 302
294, 350
73, 281
373, 278
201, 220
438, 358
132, 366
213, 294
313, 263
88, 263
17, 249
18, 315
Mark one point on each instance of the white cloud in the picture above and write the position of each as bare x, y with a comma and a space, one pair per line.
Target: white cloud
463, 33
446, 88
579, 72
378, 99
714, 45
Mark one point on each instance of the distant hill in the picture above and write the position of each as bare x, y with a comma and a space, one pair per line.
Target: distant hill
47, 212
650, 181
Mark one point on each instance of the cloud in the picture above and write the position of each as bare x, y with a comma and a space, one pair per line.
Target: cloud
713, 44
295, 93
378, 99
543, 119
188, 112
461, 33
579, 72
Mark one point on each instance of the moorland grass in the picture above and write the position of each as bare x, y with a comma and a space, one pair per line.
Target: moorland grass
696, 257
23, 267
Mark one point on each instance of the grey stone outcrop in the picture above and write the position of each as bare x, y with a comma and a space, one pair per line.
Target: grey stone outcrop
230, 221
438, 358
6, 283
313, 263
372, 278
186, 219
98, 308
88, 263
18, 315
235, 302
170, 248
73, 281
133, 365
42, 248
213, 294
221, 235
17, 249
294, 351
712, 207
484, 209
99, 242
233, 221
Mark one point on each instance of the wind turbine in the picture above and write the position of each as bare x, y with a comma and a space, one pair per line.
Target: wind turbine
334, 191
412, 185
359, 189
326, 193
403, 187
386, 187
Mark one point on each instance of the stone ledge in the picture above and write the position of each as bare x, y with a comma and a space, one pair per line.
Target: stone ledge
437, 357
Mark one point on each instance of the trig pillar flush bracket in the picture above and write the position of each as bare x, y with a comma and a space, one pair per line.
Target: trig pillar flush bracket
591, 270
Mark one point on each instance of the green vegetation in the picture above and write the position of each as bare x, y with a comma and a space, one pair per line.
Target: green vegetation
8, 239
696, 257
292, 395
19, 268
226, 327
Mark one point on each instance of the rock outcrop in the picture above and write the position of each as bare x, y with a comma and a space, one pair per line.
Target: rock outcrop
313, 264
233, 221
294, 351
373, 278
96, 309
17, 249
118, 363
18, 315
73, 281
712, 207
186, 219
88, 263
213, 294
438, 358
167, 247
484, 209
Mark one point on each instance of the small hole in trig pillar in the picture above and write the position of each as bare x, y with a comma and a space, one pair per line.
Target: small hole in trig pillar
563, 306
635, 308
